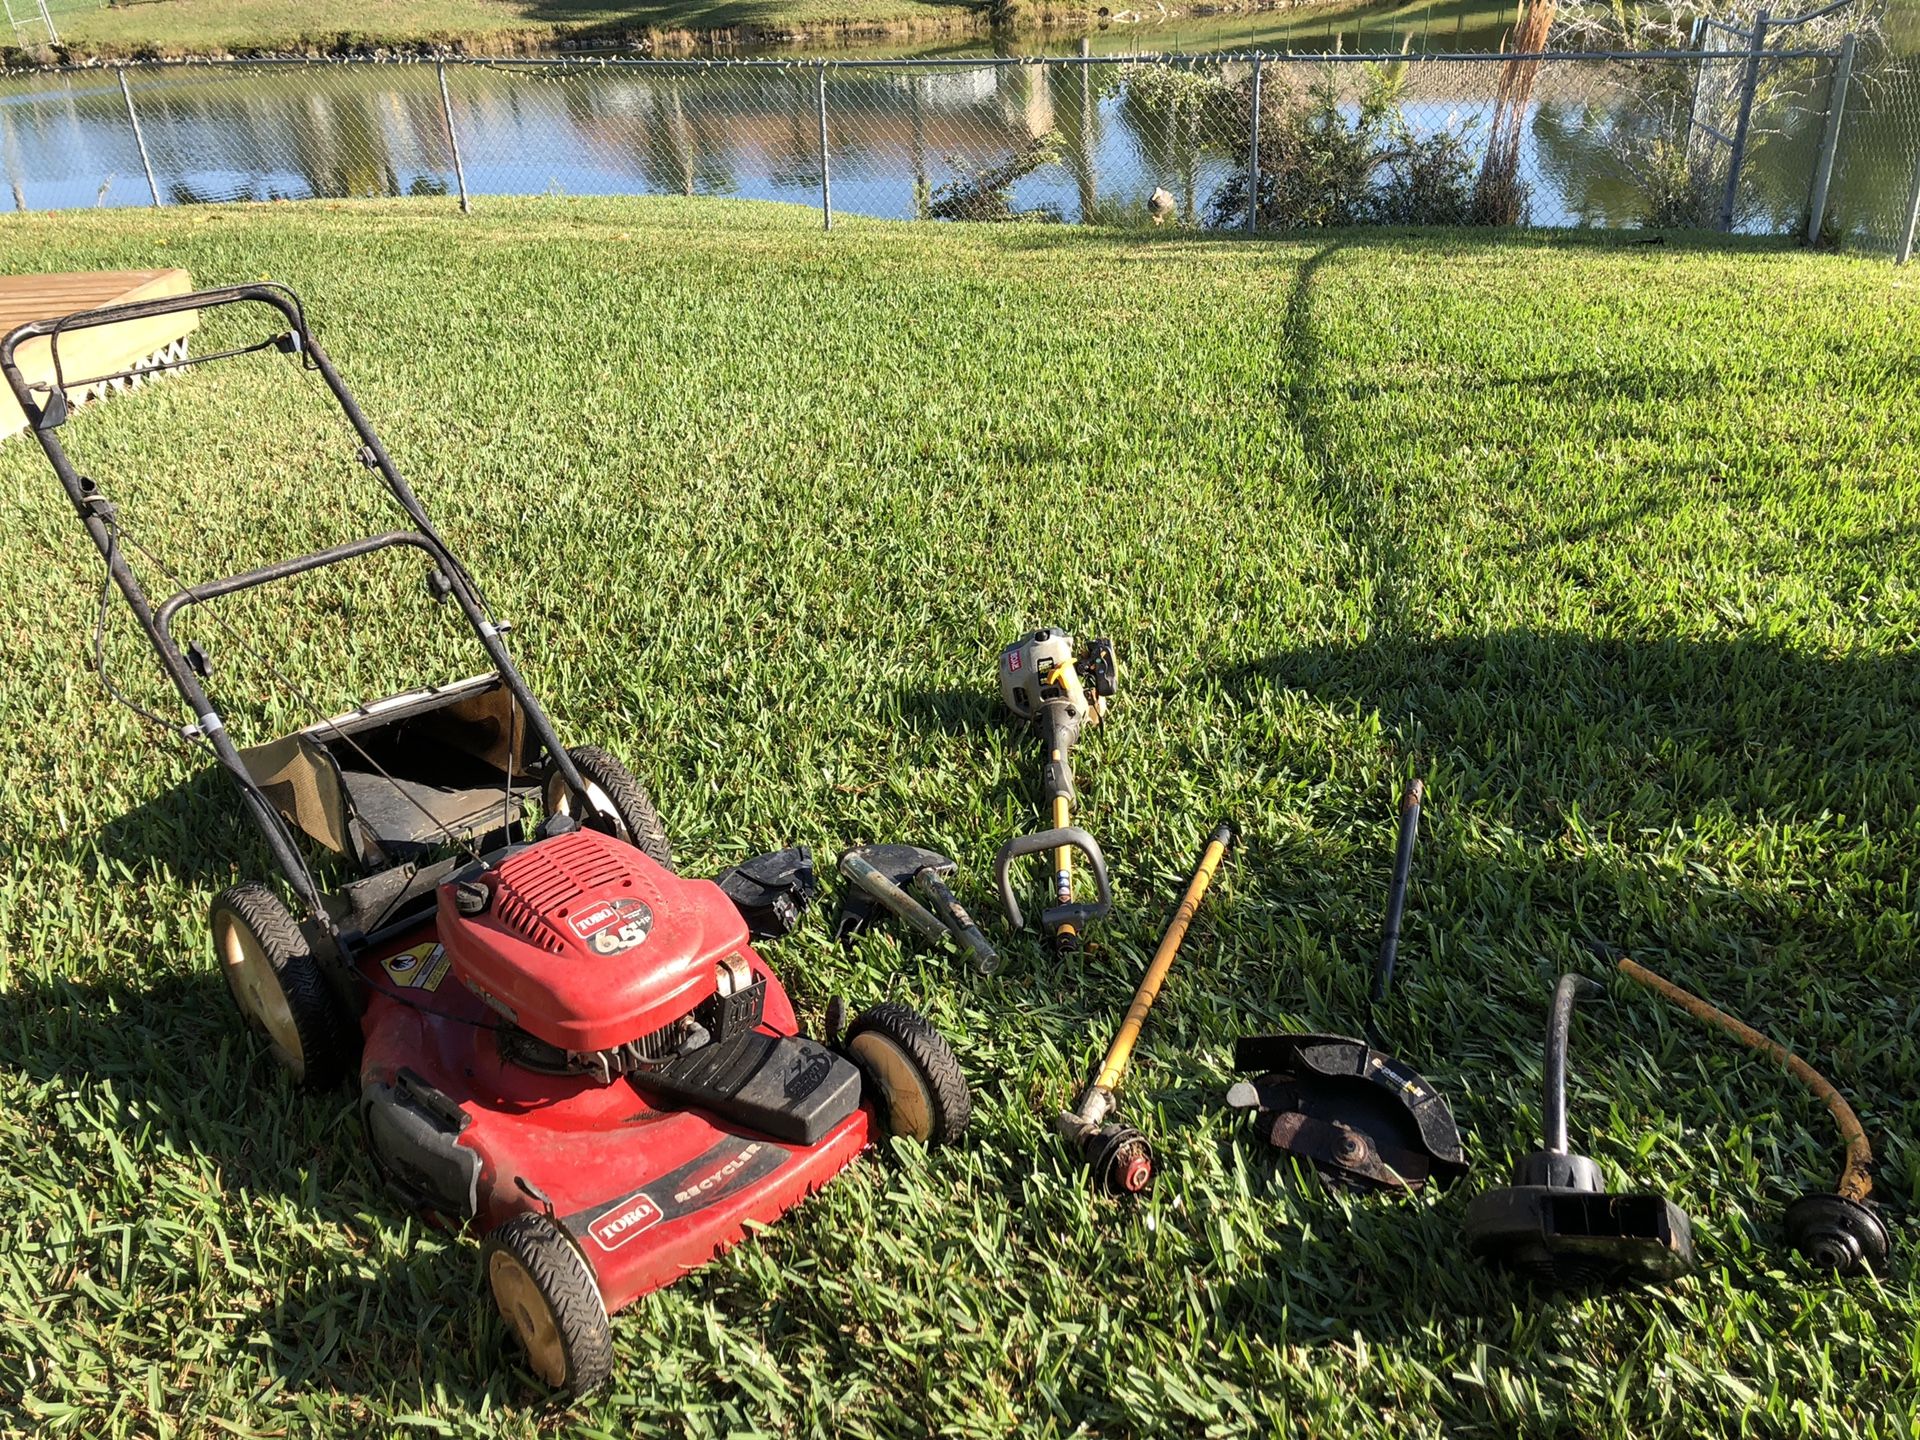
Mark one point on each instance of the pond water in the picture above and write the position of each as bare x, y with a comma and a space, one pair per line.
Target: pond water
1085, 144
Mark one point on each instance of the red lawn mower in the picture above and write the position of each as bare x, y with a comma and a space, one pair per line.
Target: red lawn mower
560, 1043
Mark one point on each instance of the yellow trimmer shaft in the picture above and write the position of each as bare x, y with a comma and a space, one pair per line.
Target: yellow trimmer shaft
1118, 1156
1121, 1050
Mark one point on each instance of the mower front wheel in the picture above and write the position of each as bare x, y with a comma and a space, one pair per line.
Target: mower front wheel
550, 1300
913, 1072
278, 985
614, 799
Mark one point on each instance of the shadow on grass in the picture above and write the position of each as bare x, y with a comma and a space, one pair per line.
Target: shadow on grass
1739, 811
196, 831
1656, 732
588, 19
171, 1111
1403, 241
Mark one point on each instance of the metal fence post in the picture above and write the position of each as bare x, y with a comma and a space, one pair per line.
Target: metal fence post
19, 26
1905, 251
1253, 154
1829, 139
453, 139
1748, 84
826, 180
1694, 42
1089, 178
138, 139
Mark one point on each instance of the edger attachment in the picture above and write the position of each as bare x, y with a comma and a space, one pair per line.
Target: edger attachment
1557, 1224
879, 875
1117, 1156
1363, 1119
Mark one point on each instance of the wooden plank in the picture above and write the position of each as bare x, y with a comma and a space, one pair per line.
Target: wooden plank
87, 352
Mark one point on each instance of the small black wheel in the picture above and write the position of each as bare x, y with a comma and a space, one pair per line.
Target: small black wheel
614, 798
922, 1093
551, 1301
279, 987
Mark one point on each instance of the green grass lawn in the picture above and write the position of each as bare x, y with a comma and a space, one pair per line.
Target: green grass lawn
197, 26
176, 27
1615, 543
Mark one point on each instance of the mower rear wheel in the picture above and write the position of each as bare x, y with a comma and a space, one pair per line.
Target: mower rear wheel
278, 985
548, 1295
614, 797
923, 1095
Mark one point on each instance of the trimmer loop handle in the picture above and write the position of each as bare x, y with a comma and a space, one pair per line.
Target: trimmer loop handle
1055, 915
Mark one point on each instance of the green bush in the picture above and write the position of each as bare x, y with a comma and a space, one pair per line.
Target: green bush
1328, 161
1677, 195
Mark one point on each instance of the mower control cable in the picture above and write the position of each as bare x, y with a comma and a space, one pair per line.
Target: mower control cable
110, 517
286, 342
400, 996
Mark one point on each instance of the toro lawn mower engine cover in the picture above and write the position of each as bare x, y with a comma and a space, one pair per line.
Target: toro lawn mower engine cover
587, 944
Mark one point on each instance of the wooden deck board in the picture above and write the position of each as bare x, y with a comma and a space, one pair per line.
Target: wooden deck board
88, 352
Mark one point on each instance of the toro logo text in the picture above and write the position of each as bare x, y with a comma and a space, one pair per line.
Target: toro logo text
621, 1224
717, 1178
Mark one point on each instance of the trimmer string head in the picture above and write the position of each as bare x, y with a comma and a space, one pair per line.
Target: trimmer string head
1118, 1157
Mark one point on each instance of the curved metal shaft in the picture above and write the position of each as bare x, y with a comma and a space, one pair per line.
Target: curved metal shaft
1553, 1101
1856, 1177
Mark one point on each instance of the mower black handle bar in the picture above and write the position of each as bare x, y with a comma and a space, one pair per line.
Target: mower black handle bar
1055, 915
96, 516
281, 569
266, 293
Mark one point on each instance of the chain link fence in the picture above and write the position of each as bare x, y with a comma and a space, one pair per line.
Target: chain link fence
1876, 173
1727, 138
29, 22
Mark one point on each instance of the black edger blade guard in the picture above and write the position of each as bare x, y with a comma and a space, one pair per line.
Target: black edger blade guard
1364, 1119
1359, 1115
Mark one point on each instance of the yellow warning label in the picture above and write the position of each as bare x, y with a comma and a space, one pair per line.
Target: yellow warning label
421, 968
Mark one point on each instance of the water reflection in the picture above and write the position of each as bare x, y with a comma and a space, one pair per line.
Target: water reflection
1099, 141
